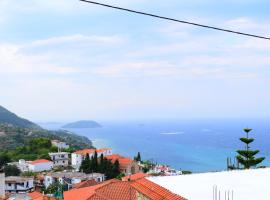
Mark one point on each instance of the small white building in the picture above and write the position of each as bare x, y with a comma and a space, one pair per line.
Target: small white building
60, 145
17, 184
40, 165
71, 178
78, 156
22, 165
60, 159
2, 185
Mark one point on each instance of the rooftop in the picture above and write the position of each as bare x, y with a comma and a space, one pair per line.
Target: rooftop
58, 153
91, 151
70, 175
246, 184
39, 161
134, 177
18, 179
115, 190
122, 160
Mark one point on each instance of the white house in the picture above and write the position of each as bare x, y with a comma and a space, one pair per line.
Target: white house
60, 159
22, 165
78, 156
71, 178
40, 165
16, 184
2, 185
60, 145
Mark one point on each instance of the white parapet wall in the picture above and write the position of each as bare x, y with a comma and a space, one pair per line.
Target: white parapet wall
235, 185
2, 185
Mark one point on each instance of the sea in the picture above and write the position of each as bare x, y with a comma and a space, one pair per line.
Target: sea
194, 145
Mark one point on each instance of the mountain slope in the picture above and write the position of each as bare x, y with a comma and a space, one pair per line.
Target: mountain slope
10, 118
16, 131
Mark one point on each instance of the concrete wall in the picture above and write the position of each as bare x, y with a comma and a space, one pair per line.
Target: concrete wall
41, 167
2, 185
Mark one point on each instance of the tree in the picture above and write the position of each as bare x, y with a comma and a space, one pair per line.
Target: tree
12, 170
86, 165
138, 157
116, 169
246, 157
95, 162
4, 159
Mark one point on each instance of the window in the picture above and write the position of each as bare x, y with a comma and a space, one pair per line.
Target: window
9, 184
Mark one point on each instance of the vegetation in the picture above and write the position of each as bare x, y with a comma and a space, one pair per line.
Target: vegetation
138, 157
12, 170
16, 131
246, 157
13, 136
102, 165
36, 148
10, 118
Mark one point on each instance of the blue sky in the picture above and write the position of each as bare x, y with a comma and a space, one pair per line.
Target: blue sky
67, 60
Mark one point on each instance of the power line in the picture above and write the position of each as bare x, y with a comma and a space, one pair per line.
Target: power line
176, 20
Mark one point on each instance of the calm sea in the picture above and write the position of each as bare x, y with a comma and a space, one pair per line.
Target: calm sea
196, 145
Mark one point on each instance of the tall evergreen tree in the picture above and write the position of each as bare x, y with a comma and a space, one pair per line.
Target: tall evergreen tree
86, 165
116, 168
246, 157
138, 158
95, 162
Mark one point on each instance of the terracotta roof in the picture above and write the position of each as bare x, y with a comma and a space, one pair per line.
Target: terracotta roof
86, 184
39, 161
38, 196
91, 151
123, 161
134, 177
85, 193
154, 191
122, 190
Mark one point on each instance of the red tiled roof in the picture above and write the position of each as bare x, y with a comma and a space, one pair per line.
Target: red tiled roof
38, 196
84, 193
86, 184
154, 191
39, 161
122, 190
91, 151
123, 161
134, 177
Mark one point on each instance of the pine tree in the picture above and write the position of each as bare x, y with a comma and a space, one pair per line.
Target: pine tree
95, 162
86, 164
246, 157
139, 157
101, 167
116, 169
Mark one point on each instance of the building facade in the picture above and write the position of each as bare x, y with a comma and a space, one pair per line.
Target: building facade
78, 156
60, 145
40, 165
69, 179
2, 185
60, 159
16, 184
127, 165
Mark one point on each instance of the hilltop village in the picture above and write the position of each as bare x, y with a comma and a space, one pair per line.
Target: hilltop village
83, 174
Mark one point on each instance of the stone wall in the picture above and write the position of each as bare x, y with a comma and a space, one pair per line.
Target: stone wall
2, 185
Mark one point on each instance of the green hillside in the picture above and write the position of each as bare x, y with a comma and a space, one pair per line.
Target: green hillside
17, 132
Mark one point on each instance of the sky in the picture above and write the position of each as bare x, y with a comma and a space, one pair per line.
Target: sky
64, 60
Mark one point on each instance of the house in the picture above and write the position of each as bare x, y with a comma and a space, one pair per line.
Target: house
60, 145
69, 179
139, 189
17, 184
78, 156
2, 185
127, 165
22, 165
60, 159
134, 177
40, 165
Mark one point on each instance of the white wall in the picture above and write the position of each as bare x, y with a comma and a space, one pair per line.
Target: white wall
2, 185
23, 187
41, 167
